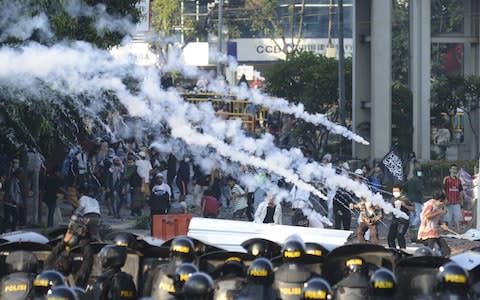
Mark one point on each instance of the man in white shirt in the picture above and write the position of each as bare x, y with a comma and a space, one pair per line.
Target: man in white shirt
90, 209
143, 169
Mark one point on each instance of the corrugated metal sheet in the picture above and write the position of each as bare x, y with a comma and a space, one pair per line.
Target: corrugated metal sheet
228, 235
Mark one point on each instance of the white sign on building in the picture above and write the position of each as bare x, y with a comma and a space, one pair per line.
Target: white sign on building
252, 50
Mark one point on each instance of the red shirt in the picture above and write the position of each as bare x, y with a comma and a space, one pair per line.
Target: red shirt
211, 206
452, 187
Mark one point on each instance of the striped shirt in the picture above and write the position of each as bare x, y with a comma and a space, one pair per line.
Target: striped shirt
452, 187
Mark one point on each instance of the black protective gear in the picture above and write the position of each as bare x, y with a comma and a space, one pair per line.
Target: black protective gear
114, 285
112, 256
21, 261
260, 272
125, 239
453, 279
81, 293
355, 265
293, 249
317, 288
315, 249
47, 280
183, 249
17, 286
383, 283
182, 274
423, 251
61, 292
199, 286
262, 247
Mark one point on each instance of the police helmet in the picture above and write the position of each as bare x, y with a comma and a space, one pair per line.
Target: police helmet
61, 292
383, 282
21, 261
46, 280
453, 278
293, 248
355, 265
257, 248
423, 251
315, 249
260, 272
112, 256
125, 239
316, 288
199, 286
182, 248
182, 274
81, 293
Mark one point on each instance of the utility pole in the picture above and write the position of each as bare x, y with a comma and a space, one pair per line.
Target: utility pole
220, 38
341, 65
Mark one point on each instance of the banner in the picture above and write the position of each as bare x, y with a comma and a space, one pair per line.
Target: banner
392, 166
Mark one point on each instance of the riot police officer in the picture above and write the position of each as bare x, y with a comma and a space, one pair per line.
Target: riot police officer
199, 287
21, 268
45, 281
61, 292
316, 288
61, 258
292, 274
259, 247
159, 283
125, 239
114, 284
453, 282
356, 281
383, 285
230, 276
182, 274
260, 278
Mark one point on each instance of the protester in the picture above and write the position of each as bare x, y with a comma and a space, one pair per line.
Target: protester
90, 209
269, 211
429, 231
135, 197
369, 217
414, 190
14, 204
238, 197
159, 198
399, 226
53, 186
454, 195
210, 205
183, 178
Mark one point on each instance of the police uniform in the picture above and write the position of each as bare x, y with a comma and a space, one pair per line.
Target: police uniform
316, 289
453, 282
114, 284
159, 284
356, 282
383, 285
45, 281
229, 276
61, 293
21, 266
260, 277
292, 274
199, 286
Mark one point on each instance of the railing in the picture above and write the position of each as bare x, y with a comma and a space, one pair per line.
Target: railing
228, 107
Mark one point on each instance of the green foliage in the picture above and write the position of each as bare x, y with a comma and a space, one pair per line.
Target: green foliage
400, 42
311, 80
71, 28
402, 118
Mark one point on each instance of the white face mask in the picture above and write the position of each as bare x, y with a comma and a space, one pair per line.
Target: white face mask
396, 194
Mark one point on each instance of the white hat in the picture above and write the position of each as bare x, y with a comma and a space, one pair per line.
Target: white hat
142, 154
358, 172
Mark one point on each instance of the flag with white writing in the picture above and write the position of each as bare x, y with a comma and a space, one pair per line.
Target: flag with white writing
392, 166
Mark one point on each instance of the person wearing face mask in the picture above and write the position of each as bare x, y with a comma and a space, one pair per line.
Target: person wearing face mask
399, 226
453, 192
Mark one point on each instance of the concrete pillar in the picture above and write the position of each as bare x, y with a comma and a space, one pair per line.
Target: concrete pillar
420, 49
361, 76
381, 78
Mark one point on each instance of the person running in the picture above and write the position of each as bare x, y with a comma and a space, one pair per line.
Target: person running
430, 225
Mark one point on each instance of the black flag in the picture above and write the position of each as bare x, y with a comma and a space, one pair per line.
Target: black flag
392, 166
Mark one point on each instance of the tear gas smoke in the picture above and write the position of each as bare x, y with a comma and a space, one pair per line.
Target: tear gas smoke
79, 69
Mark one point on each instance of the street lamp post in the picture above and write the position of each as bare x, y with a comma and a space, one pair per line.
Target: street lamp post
220, 38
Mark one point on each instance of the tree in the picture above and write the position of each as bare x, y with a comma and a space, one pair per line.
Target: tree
311, 80
52, 119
